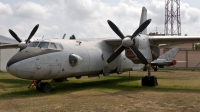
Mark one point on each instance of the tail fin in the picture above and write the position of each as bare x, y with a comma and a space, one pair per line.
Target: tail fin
169, 55
143, 18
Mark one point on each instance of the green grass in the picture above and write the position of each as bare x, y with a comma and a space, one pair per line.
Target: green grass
11, 86
176, 90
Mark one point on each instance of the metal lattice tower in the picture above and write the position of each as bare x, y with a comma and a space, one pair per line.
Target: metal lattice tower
172, 17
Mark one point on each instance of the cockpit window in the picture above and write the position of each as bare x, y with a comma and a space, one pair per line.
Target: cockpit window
59, 46
33, 44
52, 46
43, 44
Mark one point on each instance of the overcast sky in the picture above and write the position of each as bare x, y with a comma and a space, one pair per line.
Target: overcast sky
88, 18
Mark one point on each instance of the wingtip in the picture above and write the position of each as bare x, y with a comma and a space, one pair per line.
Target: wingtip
108, 20
37, 25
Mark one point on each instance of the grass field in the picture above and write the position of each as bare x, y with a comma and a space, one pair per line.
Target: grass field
176, 91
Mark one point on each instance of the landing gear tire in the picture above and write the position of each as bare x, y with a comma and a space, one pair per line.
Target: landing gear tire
149, 81
38, 88
44, 87
153, 81
145, 81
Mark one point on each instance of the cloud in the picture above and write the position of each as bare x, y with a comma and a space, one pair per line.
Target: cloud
4, 31
31, 10
88, 19
5, 10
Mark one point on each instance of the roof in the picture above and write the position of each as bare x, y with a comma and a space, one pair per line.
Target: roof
6, 40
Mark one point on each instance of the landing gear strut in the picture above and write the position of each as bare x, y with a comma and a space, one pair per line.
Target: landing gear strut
149, 80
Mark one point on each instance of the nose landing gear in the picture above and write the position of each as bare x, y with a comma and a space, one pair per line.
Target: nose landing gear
44, 87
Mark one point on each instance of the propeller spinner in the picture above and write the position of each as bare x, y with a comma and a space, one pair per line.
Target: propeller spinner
127, 42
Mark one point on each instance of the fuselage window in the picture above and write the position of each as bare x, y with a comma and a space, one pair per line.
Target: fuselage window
52, 46
73, 60
43, 44
33, 44
59, 46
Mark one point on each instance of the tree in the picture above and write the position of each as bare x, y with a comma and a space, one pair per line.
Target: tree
197, 46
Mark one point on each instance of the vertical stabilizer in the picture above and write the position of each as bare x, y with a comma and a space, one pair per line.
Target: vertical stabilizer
143, 18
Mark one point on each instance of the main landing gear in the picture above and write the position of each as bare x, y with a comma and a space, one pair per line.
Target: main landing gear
149, 80
40, 86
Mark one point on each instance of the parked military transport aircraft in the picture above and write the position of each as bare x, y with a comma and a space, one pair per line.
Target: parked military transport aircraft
61, 58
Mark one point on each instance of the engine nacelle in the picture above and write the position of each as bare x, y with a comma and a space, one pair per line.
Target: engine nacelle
155, 51
142, 43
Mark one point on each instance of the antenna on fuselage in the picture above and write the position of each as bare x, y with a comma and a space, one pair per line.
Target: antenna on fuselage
64, 36
72, 37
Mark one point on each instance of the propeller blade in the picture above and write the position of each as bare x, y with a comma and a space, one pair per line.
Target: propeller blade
32, 33
115, 29
141, 28
115, 54
15, 35
139, 54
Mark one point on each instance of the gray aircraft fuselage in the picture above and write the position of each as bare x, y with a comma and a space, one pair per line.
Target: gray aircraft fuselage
73, 59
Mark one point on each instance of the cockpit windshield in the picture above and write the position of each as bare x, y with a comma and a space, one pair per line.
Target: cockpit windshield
33, 44
49, 45
43, 44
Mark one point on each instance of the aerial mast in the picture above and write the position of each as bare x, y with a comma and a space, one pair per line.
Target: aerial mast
172, 18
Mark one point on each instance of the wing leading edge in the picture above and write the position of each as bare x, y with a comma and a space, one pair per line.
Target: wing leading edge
173, 40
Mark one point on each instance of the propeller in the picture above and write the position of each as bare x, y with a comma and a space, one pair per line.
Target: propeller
29, 38
127, 42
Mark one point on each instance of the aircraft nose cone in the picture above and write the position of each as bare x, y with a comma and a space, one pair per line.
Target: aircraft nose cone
21, 66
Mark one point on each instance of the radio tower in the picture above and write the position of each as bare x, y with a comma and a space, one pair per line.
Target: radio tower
172, 18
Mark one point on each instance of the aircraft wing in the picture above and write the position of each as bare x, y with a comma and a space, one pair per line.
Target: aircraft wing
164, 40
114, 42
9, 46
173, 40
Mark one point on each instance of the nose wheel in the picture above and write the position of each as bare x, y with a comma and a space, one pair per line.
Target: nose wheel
44, 87
40, 86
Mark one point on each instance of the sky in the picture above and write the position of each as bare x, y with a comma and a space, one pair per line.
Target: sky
88, 18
